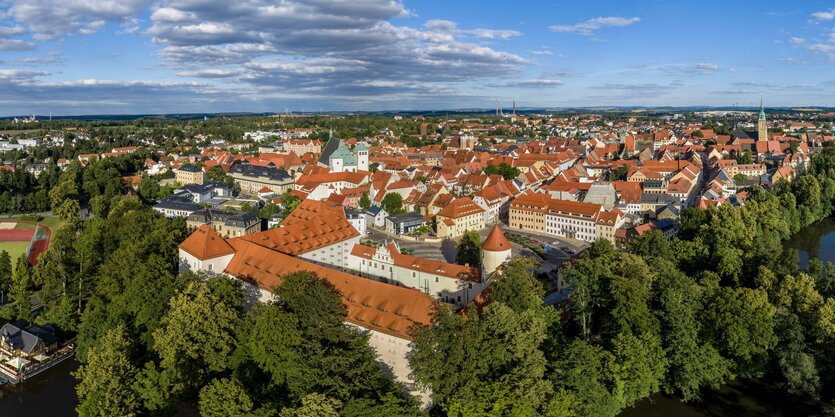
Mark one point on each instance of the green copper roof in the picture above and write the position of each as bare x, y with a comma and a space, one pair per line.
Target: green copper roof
762, 110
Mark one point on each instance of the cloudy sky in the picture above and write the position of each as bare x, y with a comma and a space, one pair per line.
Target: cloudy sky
165, 56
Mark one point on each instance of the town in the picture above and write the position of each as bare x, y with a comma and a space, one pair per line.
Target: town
425, 214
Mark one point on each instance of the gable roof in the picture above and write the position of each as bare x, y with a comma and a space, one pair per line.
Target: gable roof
385, 308
460, 207
204, 244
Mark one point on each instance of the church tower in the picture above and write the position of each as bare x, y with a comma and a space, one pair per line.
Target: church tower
762, 127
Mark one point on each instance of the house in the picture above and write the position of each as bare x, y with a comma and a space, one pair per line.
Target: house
376, 216
17, 341
527, 212
225, 223
190, 174
252, 178
403, 223
177, 205
357, 219
460, 215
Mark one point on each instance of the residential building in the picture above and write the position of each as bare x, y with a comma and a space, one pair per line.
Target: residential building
252, 178
403, 223
226, 223
190, 174
460, 215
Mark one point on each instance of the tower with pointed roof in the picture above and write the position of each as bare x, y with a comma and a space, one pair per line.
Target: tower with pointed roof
495, 250
762, 127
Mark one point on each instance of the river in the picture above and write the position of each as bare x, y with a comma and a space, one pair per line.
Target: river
51, 393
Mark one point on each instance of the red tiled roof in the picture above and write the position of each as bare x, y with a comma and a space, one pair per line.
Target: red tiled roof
204, 244
496, 241
385, 308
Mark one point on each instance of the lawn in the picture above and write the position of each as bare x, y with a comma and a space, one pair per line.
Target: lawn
15, 249
50, 222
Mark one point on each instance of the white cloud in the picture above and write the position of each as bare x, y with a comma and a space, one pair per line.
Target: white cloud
825, 15
52, 19
588, 27
796, 40
542, 52
493, 33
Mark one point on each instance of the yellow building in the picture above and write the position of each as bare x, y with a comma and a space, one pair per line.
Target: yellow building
460, 215
190, 174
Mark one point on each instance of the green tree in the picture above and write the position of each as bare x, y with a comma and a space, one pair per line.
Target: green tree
507, 379
105, 381
517, 287
335, 360
469, 249
289, 203
392, 203
270, 337
226, 397
217, 174
196, 336
365, 202
641, 365
589, 372
314, 405
693, 363
740, 321
20, 293
5, 275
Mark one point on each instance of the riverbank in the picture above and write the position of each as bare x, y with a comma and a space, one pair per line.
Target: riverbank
52, 394
738, 398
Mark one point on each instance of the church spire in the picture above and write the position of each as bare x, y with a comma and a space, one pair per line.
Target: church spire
762, 110
762, 126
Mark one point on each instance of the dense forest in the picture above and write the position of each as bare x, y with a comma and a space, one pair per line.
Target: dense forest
722, 300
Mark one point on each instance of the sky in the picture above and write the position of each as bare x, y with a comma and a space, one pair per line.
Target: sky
71, 57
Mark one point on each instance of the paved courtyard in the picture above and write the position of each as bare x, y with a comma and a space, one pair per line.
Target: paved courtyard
446, 250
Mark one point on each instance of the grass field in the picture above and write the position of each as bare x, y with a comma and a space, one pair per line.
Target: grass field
15, 249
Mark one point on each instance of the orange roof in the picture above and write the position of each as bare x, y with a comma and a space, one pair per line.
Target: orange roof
204, 244
385, 308
310, 209
496, 241
305, 235
460, 207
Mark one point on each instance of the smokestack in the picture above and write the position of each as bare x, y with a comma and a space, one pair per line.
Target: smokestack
514, 107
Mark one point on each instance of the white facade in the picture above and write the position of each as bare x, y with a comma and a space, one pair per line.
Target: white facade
335, 255
171, 213
493, 259
213, 265
571, 227
362, 160
449, 290
359, 223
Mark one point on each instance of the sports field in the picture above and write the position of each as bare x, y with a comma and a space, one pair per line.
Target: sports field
18, 236
15, 249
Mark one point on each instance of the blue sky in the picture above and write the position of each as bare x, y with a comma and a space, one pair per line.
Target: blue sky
164, 56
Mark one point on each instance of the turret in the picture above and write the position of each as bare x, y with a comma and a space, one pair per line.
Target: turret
495, 250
